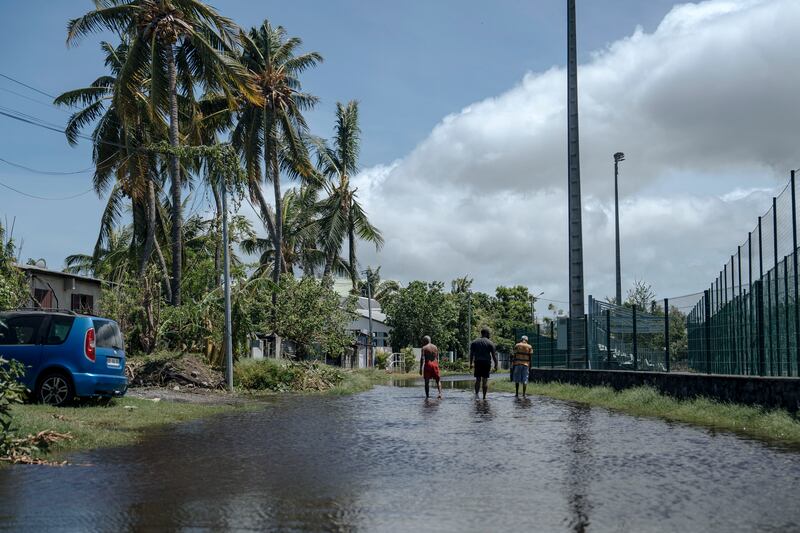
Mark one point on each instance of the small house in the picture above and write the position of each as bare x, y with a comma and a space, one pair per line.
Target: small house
51, 289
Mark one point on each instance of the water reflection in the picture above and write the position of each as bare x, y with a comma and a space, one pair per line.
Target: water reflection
371, 462
579, 466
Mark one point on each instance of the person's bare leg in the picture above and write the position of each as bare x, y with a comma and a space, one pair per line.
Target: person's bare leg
485, 387
427, 388
524, 390
477, 386
439, 386
516, 390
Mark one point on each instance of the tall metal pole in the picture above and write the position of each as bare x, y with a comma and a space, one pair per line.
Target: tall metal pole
794, 279
619, 156
469, 321
226, 272
576, 307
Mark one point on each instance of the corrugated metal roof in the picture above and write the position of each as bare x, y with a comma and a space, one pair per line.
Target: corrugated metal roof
34, 268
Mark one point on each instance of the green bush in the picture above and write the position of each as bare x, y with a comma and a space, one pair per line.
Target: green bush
459, 365
279, 376
409, 359
382, 359
11, 392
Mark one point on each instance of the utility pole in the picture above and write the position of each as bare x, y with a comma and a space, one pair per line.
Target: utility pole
369, 312
469, 320
576, 307
619, 156
226, 270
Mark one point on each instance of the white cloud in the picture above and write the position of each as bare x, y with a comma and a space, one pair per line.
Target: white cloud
705, 108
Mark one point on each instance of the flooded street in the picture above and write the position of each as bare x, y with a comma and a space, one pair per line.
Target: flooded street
388, 460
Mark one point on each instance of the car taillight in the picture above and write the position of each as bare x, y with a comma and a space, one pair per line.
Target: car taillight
89, 346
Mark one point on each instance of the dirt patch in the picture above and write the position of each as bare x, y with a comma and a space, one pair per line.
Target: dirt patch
187, 394
173, 370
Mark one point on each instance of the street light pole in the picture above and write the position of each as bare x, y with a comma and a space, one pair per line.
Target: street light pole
469, 320
619, 156
226, 270
533, 309
370, 359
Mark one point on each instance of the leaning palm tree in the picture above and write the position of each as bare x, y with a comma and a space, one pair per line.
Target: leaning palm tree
120, 163
274, 132
167, 36
343, 216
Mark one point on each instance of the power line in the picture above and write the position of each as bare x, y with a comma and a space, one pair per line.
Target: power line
40, 102
44, 125
35, 197
46, 172
28, 86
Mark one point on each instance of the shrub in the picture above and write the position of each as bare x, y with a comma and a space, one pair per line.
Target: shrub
272, 375
459, 365
382, 359
409, 359
11, 392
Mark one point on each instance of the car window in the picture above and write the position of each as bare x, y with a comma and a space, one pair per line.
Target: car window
20, 329
60, 327
107, 334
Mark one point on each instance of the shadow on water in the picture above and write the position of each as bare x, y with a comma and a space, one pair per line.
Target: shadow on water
389, 460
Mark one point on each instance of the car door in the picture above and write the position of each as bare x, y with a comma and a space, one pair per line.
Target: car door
19, 341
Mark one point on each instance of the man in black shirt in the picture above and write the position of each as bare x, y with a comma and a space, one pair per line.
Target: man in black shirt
482, 352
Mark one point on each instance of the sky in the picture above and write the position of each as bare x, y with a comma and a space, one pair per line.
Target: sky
463, 117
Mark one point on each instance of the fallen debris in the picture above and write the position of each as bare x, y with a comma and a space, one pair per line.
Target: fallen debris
173, 370
23, 450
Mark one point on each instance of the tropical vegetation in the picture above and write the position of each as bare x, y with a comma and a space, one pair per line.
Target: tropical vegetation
190, 109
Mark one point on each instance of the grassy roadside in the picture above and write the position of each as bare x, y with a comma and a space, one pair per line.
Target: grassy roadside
126, 420
775, 425
95, 426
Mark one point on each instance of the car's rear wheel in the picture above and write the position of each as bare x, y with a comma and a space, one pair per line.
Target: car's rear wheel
55, 388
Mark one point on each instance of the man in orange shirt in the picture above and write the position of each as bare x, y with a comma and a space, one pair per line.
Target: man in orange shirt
429, 365
521, 365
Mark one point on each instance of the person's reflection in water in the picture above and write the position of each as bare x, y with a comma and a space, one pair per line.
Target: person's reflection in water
523, 403
579, 467
430, 406
483, 411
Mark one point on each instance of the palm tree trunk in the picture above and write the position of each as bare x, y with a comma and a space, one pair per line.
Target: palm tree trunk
351, 238
150, 220
266, 210
278, 241
165, 270
175, 189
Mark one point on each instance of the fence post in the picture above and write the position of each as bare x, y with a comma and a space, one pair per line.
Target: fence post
586, 341
759, 290
796, 295
749, 310
608, 338
666, 333
568, 356
775, 261
552, 347
538, 344
707, 325
635, 347
769, 325
786, 314
742, 317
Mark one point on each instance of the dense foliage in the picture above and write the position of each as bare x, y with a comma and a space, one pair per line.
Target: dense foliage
13, 289
11, 392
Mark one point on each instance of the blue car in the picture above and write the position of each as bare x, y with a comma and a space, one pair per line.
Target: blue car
66, 355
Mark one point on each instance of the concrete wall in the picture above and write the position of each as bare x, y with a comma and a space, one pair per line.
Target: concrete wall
764, 391
63, 288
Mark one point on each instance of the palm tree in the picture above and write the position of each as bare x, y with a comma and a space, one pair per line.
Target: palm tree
171, 41
110, 263
300, 234
380, 289
343, 216
120, 163
275, 130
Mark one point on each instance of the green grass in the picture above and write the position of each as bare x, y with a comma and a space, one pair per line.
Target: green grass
360, 381
770, 424
95, 426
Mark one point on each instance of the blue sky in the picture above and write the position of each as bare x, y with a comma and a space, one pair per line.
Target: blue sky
463, 120
408, 63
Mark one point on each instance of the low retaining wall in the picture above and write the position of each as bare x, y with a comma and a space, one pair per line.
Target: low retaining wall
753, 390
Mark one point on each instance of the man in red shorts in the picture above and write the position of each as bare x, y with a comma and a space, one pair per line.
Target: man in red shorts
429, 365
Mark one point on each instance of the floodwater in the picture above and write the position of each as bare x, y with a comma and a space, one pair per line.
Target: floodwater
388, 460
